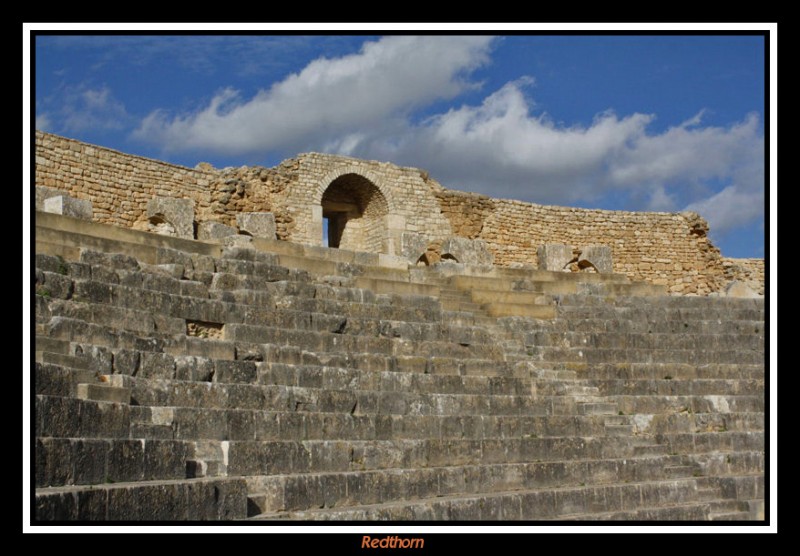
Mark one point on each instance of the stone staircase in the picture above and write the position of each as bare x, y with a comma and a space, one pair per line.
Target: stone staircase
177, 379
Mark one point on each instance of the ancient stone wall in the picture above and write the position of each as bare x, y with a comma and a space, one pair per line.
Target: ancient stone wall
748, 271
120, 185
409, 194
662, 248
466, 212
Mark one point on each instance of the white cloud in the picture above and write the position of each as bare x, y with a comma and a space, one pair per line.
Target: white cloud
660, 200
499, 148
43, 122
360, 104
732, 207
329, 98
92, 109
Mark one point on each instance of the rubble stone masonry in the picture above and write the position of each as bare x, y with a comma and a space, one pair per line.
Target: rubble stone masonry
671, 249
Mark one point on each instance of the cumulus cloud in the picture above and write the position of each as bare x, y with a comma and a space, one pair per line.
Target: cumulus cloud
499, 148
362, 105
92, 109
328, 99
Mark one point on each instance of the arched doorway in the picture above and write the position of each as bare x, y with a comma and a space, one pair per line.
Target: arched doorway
355, 211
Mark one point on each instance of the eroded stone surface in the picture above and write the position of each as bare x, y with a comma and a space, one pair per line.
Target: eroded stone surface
467, 251
69, 206
214, 231
170, 216
257, 224
554, 256
598, 256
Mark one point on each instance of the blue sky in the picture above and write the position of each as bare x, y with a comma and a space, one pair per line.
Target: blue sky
617, 122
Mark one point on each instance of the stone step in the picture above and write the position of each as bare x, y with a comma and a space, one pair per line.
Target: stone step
323, 400
525, 504
208, 459
55, 248
201, 373
103, 393
326, 342
517, 298
729, 516
633, 289
643, 404
625, 325
719, 443
193, 423
598, 408
282, 493
620, 430
709, 314
651, 450
678, 371
629, 340
314, 266
152, 432
596, 356
185, 499
528, 311
680, 471
110, 239
669, 386
380, 285
52, 345
683, 302
71, 417
55, 380
97, 461
69, 361
140, 322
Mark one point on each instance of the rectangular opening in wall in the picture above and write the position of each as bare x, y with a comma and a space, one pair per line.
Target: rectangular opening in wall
333, 224
201, 329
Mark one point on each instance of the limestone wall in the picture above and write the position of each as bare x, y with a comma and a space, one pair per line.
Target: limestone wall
661, 248
748, 271
118, 185
409, 194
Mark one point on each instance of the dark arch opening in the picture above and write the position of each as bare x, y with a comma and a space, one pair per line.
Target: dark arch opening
354, 212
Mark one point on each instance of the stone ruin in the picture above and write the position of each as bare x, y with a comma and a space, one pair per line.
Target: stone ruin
206, 357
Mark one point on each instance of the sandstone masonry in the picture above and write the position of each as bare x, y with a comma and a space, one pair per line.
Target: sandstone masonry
370, 205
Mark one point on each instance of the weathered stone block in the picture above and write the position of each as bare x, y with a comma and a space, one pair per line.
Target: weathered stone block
56, 506
554, 256
413, 246
214, 231
126, 461
170, 216
157, 365
257, 224
164, 459
598, 256
467, 251
161, 501
740, 290
238, 240
69, 206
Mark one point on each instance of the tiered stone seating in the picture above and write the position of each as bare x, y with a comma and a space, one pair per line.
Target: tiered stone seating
188, 380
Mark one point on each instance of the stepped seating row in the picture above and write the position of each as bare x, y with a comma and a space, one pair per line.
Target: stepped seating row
218, 383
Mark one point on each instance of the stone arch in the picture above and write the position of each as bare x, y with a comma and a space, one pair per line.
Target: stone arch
359, 209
